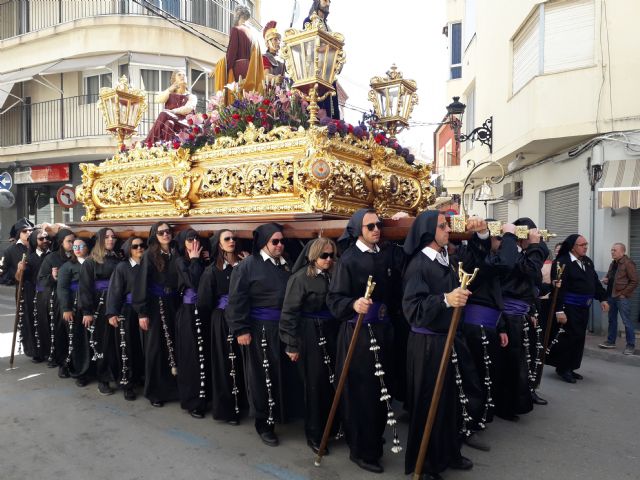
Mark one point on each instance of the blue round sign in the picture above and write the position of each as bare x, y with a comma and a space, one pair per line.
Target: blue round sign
6, 182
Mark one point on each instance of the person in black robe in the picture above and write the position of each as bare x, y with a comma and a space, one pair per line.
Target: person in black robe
579, 285
124, 319
431, 291
53, 334
92, 297
155, 301
78, 359
514, 391
256, 294
191, 352
227, 377
13, 255
39, 247
364, 414
309, 333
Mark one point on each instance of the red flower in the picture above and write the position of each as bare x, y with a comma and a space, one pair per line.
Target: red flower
216, 130
379, 138
235, 116
350, 128
176, 144
149, 144
262, 110
196, 130
190, 121
205, 116
192, 137
265, 124
249, 118
266, 102
123, 148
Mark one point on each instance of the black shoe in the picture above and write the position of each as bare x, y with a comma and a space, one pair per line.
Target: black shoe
463, 463
431, 476
82, 381
566, 376
63, 372
51, 364
269, 438
373, 467
37, 359
196, 413
474, 441
234, 421
577, 376
315, 446
157, 403
537, 399
129, 394
104, 388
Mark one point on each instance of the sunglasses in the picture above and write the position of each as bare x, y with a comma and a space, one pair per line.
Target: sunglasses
137, 246
42, 239
79, 247
229, 239
163, 232
277, 241
325, 255
372, 226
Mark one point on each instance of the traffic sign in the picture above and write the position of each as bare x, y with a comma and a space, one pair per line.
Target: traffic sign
66, 196
6, 182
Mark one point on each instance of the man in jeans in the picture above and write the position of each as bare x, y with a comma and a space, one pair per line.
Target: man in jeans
621, 281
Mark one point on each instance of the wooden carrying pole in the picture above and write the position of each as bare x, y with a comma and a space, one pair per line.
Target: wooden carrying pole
343, 377
551, 316
17, 319
465, 280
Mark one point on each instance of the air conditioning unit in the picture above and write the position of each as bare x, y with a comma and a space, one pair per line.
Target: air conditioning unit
512, 191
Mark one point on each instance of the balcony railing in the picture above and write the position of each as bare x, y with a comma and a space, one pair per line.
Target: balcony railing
63, 119
18, 17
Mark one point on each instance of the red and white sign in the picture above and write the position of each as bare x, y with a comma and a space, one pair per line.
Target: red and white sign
66, 196
42, 174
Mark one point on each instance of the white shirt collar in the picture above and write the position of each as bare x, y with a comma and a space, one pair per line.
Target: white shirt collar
442, 257
81, 260
132, 262
39, 252
265, 256
21, 242
574, 258
363, 247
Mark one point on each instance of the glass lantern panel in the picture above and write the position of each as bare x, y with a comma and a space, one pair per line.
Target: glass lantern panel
393, 96
111, 106
297, 56
327, 61
124, 112
310, 58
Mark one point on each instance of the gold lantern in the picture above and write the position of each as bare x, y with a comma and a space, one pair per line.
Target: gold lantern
314, 58
122, 108
393, 99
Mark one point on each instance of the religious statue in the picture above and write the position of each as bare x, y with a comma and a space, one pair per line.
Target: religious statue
178, 103
273, 67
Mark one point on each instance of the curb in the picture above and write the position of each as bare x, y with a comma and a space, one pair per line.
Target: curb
592, 350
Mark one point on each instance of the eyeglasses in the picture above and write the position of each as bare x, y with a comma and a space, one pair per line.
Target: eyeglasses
372, 226
277, 241
229, 239
42, 239
325, 255
163, 232
136, 246
79, 247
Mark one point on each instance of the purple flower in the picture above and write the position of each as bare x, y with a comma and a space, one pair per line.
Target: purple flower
398, 150
404, 153
358, 132
332, 128
325, 121
410, 159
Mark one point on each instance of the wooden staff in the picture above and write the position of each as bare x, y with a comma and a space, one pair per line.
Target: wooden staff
17, 319
465, 280
343, 376
551, 315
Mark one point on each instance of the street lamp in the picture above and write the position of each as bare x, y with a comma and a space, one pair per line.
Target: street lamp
393, 99
122, 108
314, 58
484, 133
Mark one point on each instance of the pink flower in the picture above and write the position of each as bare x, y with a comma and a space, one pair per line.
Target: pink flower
253, 97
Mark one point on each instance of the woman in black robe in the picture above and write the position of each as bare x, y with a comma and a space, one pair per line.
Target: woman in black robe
364, 414
78, 359
579, 285
53, 334
155, 301
20, 231
124, 319
227, 377
256, 293
431, 289
309, 333
94, 286
190, 347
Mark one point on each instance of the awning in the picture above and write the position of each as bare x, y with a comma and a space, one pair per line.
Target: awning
164, 62
4, 93
620, 185
83, 64
203, 66
24, 74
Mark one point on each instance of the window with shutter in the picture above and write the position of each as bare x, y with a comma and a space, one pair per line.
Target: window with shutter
526, 52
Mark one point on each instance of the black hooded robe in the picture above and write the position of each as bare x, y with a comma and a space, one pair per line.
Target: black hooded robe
31, 338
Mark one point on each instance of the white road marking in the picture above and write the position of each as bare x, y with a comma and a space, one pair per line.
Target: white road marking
30, 376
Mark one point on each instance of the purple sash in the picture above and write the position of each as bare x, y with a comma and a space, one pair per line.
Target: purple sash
377, 314
129, 298
190, 296
425, 331
323, 315
578, 299
74, 286
481, 316
266, 314
101, 284
223, 301
160, 291
515, 307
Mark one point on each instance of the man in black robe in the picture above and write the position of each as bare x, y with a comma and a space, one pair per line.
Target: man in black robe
431, 291
364, 414
579, 286
13, 255
514, 393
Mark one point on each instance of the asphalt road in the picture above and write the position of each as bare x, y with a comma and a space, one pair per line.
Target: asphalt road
51, 429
